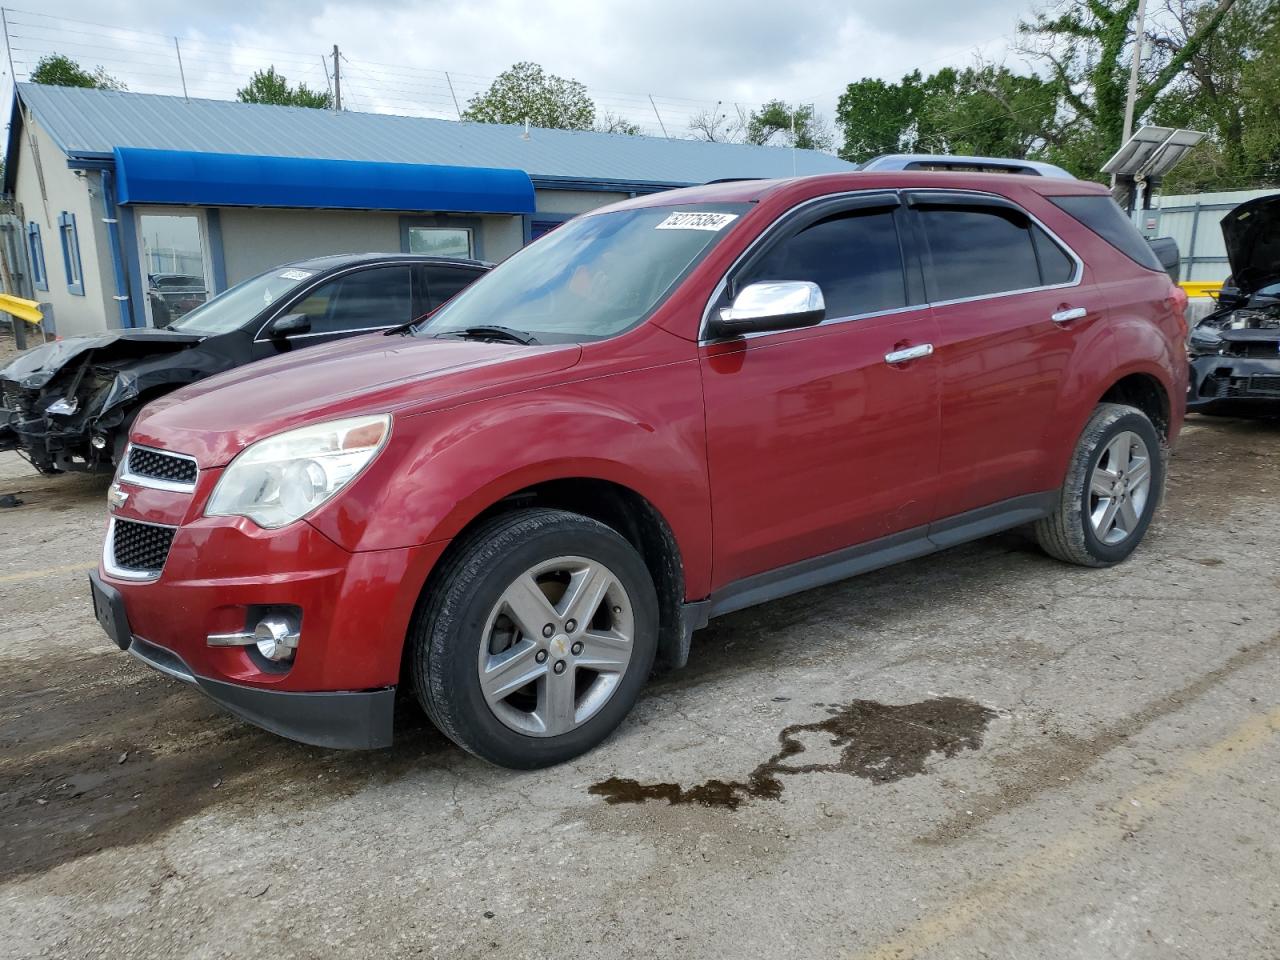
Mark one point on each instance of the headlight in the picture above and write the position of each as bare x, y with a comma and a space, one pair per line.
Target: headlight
1205, 341
283, 478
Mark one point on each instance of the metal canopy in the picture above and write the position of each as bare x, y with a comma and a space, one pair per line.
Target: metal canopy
1152, 152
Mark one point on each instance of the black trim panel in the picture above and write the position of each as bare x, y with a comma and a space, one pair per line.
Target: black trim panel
865, 557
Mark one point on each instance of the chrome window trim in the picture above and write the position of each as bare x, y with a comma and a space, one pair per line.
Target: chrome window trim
1076, 280
334, 333
173, 486
121, 573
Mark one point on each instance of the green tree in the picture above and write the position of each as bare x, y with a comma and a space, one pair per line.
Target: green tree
268, 86
1230, 89
1086, 46
527, 93
796, 126
985, 110
58, 70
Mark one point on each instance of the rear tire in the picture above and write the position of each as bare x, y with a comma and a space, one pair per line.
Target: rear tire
528, 678
1114, 484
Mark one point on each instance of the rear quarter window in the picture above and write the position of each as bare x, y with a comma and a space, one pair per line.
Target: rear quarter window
1104, 217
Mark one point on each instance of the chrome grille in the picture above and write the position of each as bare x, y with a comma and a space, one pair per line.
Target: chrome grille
140, 548
157, 465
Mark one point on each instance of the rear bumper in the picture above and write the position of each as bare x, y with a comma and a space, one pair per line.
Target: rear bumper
344, 720
1234, 386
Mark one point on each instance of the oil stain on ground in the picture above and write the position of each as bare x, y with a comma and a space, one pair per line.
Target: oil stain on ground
877, 742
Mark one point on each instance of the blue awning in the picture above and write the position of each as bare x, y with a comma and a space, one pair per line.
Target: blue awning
238, 180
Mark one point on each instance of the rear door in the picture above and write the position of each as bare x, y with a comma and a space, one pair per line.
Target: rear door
444, 282
997, 280
816, 439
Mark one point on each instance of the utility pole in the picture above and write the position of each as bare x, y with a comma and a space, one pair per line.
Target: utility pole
337, 78
1139, 34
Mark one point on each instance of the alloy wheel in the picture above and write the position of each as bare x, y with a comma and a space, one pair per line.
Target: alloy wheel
555, 646
1120, 488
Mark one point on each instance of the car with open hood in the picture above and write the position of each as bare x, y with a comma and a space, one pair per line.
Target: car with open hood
664, 410
67, 405
1235, 350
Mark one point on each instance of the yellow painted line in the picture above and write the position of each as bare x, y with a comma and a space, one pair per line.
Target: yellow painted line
47, 572
1085, 844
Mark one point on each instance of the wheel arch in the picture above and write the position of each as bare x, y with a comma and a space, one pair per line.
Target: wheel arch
623, 509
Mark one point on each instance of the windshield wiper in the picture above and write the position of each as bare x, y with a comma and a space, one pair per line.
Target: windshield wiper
492, 332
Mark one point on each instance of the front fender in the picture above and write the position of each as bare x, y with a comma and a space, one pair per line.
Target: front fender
642, 430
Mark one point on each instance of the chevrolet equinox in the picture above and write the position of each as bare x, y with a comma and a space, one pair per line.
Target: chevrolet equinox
663, 411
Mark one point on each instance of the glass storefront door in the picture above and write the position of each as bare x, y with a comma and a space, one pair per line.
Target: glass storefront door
175, 263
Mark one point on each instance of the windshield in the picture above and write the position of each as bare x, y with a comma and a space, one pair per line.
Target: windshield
233, 308
592, 278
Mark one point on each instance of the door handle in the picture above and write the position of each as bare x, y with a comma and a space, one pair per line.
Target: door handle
1069, 314
910, 353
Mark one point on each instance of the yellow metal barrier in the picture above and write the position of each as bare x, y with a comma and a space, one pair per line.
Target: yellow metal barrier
27, 310
1202, 288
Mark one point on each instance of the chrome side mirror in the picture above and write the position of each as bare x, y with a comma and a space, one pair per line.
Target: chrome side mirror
770, 305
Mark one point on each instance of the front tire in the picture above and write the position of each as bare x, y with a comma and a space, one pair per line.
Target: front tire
1113, 485
532, 643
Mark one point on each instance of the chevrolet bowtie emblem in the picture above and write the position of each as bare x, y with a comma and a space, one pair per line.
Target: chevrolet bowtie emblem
116, 496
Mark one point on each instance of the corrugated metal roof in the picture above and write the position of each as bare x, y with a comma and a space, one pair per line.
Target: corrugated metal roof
91, 123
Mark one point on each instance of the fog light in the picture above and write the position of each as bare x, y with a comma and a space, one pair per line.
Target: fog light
98, 441
275, 638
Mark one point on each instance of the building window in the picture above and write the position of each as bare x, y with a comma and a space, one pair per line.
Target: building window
39, 278
71, 252
441, 241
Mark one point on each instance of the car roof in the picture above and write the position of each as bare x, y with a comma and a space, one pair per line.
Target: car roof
336, 260
754, 191
946, 161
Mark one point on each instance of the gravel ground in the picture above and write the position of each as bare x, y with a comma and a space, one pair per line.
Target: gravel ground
981, 753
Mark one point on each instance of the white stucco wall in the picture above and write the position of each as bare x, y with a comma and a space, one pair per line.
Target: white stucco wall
254, 240
574, 201
78, 194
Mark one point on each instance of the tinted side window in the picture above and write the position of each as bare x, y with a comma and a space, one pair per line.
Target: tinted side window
443, 283
365, 299
1104, 217
974, 251
853, 257
1055, 265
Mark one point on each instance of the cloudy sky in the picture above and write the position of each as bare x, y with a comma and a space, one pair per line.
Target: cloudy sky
688, 55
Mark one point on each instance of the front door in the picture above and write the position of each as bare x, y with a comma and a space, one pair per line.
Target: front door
819, 438
174, 252
361, 300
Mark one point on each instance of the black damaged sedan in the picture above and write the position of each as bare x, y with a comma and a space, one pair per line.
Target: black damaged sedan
1235, 351
68, 405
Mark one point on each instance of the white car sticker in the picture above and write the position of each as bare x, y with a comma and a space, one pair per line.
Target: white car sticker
687, 220
295, 275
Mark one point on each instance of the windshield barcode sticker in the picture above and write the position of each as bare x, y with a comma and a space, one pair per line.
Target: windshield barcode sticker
697, 221
294, 274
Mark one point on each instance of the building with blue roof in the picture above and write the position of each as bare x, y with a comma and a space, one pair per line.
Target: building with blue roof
120, 195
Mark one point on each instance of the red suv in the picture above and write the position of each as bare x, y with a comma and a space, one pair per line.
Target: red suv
663, 411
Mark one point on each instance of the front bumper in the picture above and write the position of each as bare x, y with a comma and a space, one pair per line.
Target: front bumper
221, 573
343, 720
1234, 386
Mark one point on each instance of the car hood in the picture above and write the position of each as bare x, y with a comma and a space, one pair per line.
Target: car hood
33, 368
1252, 235
215, 418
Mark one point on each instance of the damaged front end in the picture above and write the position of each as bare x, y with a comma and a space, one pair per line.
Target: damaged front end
1235, 351
63, 404
1235, 362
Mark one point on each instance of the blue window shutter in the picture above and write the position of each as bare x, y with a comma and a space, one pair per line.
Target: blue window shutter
39, 278
71, 253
